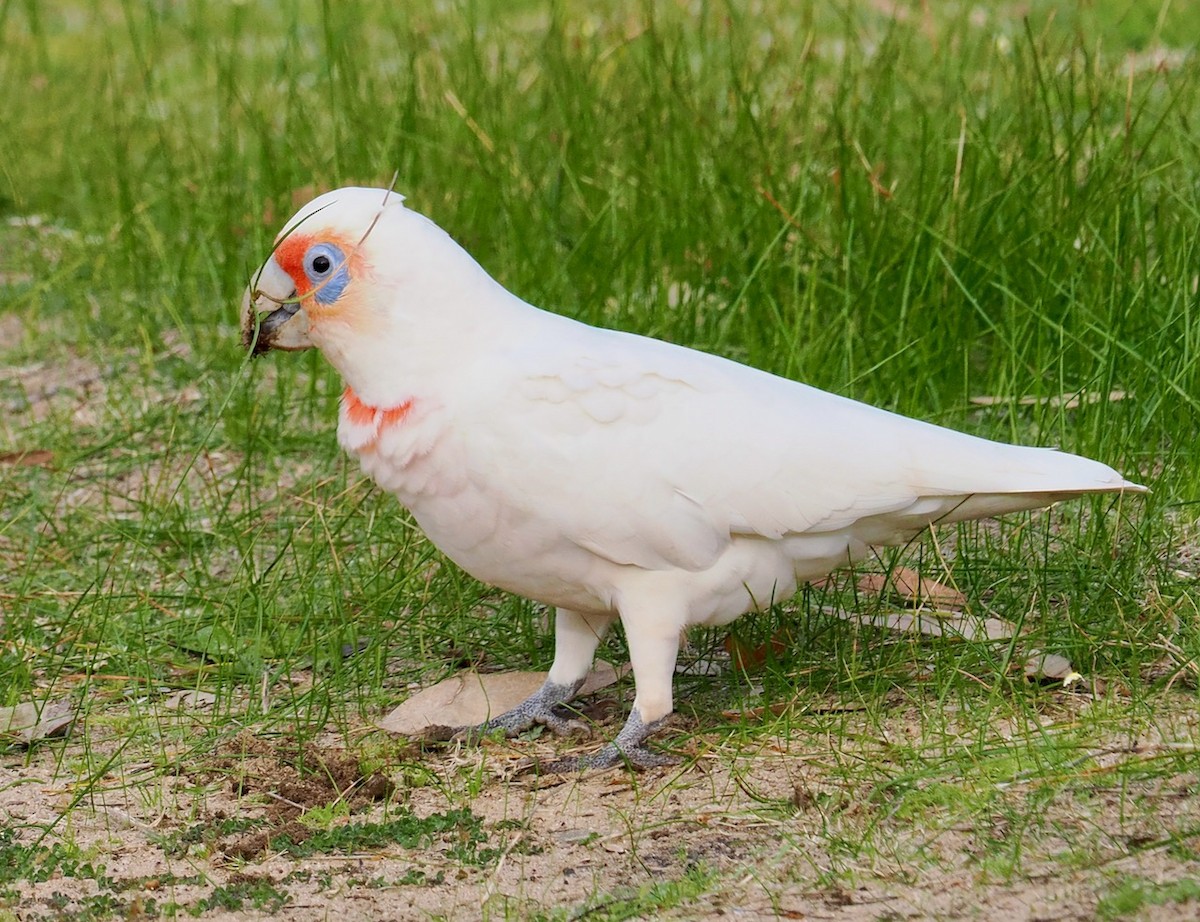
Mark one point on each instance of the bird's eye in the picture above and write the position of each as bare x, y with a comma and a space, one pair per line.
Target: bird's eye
321, 260
327, 271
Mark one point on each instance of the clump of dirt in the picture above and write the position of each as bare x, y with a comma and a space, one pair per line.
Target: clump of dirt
255, 844
290, 780
300, 777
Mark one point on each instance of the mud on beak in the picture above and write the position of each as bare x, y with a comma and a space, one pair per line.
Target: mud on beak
272, 317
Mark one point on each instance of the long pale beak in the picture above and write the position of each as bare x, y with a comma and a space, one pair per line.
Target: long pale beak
272, 317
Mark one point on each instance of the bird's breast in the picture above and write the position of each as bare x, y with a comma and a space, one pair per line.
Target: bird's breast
413, 451
403, 446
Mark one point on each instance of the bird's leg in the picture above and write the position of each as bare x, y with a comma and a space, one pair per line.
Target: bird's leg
653, 649
576, 636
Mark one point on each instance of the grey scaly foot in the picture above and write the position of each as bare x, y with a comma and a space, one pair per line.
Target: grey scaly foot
629, 748
538, 708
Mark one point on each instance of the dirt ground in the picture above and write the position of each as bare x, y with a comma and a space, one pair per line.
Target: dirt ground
762, 834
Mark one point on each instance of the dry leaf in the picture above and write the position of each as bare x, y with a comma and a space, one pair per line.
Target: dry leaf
937, 624
29, 722
1051, 666
913, 588
463, 700
470, 698
39, 457
189, 698
747, 658
1056, 669
603, 674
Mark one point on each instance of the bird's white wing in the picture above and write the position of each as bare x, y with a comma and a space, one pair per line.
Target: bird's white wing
653, 455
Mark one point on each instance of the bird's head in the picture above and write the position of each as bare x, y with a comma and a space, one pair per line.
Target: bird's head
388, 297
320, 274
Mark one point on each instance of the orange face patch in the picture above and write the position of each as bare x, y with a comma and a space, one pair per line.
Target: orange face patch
290, 256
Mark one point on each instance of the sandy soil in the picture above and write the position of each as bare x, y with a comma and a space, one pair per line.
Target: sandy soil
770, 832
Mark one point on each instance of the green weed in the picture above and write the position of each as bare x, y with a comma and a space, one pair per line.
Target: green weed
461, 830
254, 893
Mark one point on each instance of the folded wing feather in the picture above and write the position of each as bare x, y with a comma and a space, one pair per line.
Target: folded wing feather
721, 449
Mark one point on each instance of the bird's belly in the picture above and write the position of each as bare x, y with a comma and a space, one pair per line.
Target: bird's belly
752, 575
756, 573
501, 543
513, 555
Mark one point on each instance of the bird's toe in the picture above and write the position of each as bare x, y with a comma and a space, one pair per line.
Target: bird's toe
639, 757
562, 725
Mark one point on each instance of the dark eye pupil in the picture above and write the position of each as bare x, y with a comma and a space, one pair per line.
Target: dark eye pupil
321, 264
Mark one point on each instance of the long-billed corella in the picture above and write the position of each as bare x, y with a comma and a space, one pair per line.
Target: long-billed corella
606, 474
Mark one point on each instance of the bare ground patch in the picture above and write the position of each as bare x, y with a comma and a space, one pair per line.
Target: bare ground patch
265, 825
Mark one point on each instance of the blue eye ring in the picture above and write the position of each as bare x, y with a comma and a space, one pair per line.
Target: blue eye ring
325, 266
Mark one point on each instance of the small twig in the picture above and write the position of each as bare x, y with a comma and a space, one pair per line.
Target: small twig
774, 202
284, 800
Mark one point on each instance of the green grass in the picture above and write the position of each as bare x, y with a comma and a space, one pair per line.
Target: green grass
647, 901
1131, 895
910, 209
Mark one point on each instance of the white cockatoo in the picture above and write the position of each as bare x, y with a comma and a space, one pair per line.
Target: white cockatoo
609, 475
